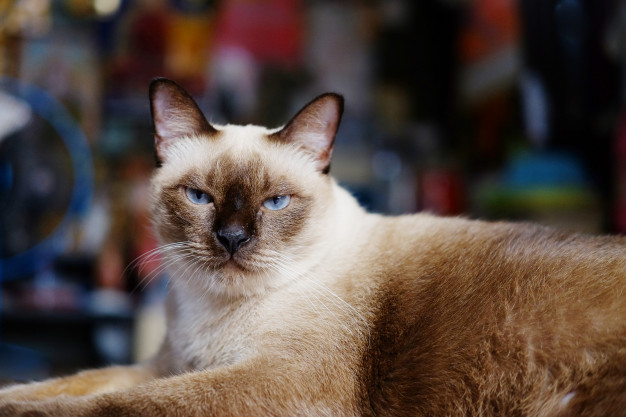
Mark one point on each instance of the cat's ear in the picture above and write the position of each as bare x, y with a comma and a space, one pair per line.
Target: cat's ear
175, 114
314, 128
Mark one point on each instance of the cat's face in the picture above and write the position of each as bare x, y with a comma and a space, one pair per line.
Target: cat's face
236, 205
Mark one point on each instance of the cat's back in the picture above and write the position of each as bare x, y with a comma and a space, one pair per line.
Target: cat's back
432, 248
497, 319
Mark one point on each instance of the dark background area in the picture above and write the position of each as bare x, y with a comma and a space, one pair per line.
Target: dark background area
493, 109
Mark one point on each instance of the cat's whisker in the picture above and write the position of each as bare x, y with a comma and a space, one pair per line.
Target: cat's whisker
192, 264
278, 270
147, 279
315, 292
325, 291
170, 254
195, 275
156, 252
149, 256
170, 260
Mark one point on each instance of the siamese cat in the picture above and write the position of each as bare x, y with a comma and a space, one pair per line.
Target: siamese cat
288, 299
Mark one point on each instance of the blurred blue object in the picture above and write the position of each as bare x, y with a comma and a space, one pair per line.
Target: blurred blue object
52, 111
6, 177
551, 169
548, 187
18, 364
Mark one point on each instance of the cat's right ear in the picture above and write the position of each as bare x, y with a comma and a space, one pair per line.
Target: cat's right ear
314, 129
175, 114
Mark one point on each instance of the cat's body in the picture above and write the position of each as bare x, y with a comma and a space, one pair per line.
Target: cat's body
287, 298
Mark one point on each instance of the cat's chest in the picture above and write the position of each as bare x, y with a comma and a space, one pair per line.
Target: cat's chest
203, 335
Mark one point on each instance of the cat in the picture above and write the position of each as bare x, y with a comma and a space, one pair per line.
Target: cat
288, 298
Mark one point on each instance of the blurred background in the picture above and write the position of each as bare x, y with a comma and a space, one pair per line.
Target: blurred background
493, 109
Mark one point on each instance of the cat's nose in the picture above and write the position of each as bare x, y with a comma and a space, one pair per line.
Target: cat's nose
233, 237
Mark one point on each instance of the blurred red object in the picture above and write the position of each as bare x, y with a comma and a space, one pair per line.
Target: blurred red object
492, 25
269, 30
441, 191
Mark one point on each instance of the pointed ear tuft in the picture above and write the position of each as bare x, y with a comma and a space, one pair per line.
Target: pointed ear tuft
314, 128
175, 114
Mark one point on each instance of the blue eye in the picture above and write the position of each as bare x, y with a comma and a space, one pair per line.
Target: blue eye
277, 203
197, 196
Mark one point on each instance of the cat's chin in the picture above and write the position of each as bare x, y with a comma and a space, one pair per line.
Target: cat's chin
233, 279
232, 266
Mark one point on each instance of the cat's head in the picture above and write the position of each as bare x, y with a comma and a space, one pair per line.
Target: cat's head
236, 207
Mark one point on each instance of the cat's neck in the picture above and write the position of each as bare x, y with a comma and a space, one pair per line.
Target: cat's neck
342, 231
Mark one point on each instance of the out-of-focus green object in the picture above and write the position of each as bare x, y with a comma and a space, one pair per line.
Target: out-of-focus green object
550, 188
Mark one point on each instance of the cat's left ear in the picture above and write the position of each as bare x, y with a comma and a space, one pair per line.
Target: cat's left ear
175, 115
314, 128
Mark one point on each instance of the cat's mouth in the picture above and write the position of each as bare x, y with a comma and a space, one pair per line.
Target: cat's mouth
233, 266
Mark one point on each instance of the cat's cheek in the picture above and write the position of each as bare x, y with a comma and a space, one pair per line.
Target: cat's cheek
202, 226
258, 224
294, 221
181, 227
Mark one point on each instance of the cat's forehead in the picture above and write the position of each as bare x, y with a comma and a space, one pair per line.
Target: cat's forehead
237, 154
243, 137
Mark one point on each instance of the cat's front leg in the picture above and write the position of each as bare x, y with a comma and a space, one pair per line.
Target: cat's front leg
52, 407
83, 383
75, 395
254, 388
118, 404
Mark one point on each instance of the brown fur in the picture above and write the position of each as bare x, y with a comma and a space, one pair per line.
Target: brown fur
328, 310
